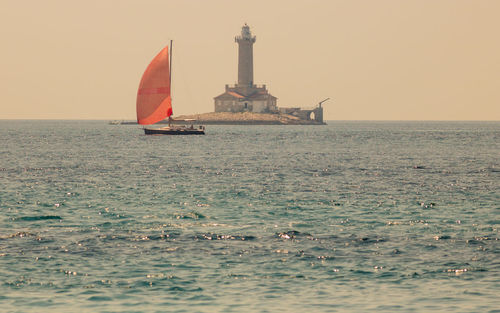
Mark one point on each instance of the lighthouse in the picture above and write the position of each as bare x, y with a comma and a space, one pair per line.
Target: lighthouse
245, 95
245, 57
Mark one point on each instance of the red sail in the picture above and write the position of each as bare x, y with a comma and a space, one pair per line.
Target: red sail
153, 97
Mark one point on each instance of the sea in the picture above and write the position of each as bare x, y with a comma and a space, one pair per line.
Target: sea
345, 217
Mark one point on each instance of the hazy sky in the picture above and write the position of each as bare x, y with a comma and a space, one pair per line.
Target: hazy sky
376, 59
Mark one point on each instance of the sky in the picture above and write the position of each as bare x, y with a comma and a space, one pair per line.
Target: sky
375, 59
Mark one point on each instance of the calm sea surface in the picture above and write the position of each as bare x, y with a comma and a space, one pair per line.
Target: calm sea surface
347, 217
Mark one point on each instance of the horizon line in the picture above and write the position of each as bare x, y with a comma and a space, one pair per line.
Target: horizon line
339, 120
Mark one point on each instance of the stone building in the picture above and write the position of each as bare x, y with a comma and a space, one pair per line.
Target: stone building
245, 95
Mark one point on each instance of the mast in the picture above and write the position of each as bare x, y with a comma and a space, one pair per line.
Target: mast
170, 67
170, 78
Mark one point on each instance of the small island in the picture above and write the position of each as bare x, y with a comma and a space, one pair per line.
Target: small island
246, 103
249, 118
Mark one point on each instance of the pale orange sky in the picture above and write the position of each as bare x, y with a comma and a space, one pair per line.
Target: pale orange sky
376, 59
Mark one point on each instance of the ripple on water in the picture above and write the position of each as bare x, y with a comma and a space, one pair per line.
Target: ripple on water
39, 218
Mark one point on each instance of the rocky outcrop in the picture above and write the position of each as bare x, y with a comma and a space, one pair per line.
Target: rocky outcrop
247, 118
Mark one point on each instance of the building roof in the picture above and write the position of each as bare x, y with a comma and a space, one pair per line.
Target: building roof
260, 95
235, 94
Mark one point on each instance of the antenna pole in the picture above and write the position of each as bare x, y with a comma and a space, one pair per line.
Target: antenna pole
319, 104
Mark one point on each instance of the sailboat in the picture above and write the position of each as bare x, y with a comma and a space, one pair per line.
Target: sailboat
154, 101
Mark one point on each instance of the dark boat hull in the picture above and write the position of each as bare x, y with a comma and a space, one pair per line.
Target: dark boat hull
174, 131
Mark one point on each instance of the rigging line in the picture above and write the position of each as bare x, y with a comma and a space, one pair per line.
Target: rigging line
182, 72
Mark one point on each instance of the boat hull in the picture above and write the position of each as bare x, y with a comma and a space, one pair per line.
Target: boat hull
174, 131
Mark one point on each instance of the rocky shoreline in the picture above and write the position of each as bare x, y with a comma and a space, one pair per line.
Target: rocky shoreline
247, 118
244, 118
